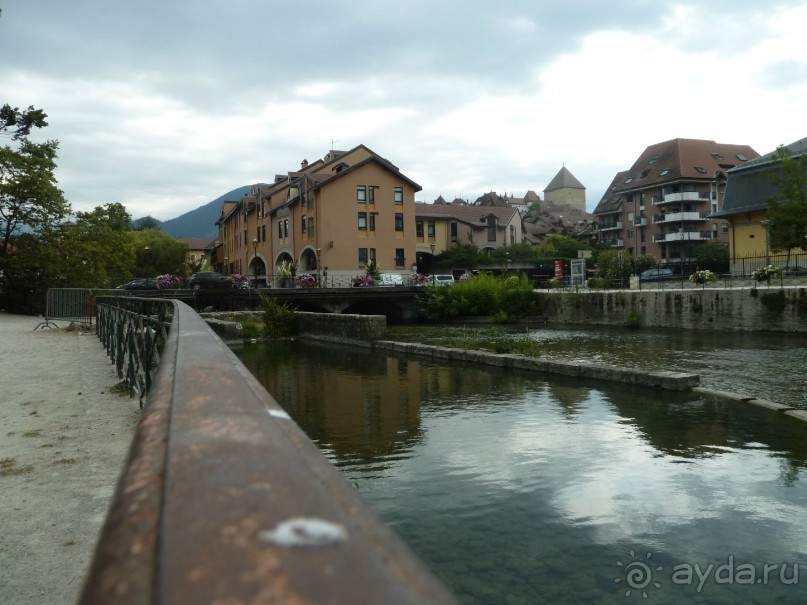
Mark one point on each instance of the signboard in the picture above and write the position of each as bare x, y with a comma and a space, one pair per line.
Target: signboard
559, 269
578, 271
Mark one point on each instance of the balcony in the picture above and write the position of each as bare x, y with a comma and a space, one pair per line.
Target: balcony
687, 236
681, 196
611, 226
614, 242
640, 221
679, 217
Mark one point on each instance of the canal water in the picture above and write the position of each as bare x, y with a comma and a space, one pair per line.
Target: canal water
515, 488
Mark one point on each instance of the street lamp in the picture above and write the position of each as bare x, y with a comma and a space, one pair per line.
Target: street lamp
767, 223
254, 256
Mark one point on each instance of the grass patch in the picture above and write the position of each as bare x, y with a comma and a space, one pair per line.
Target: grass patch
121, 388
65, 461
9, 467
34, 433
521, 344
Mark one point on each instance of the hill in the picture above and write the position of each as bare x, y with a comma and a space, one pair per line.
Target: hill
201, 222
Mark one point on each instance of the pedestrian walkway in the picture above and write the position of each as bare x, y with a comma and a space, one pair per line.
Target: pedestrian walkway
64, 438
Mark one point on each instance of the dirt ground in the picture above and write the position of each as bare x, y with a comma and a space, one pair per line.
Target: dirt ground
64, 436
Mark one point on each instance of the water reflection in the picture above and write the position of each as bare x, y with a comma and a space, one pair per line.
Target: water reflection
513, 488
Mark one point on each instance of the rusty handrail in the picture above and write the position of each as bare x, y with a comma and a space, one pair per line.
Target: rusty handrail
223, 499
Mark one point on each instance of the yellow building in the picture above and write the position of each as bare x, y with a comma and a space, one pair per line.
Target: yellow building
330, 219
745, 207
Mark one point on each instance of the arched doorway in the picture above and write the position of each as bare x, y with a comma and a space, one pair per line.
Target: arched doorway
257, 272
285, 271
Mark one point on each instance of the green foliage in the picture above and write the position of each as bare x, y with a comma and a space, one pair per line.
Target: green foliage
372, 270
505, 297
616, 266
466, 256
278, 320
19, 123
28, 192
156, 253
714, 256
788, 211
632, 321
476, 340
251, 329
147, 222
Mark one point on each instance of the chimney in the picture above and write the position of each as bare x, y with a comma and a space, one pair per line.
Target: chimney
304, 164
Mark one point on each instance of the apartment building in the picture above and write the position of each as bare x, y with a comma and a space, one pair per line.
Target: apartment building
330, 218
664, 204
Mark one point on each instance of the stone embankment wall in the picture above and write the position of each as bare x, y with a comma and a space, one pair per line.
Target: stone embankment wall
341, 326
762, 309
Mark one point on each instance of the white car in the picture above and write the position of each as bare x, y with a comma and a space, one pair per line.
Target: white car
390, 279
441, 280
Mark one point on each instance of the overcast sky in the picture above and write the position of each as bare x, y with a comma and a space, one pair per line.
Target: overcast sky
164, 105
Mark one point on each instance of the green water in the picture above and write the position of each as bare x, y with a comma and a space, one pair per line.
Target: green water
517, 489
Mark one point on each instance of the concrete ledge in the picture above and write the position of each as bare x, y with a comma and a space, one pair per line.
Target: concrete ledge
723, 394
770, 405
800, 414
670, 381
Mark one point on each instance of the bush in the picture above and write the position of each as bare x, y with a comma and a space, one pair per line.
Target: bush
503, 297
278, 319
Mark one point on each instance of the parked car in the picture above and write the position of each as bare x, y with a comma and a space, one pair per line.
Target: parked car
441, 280
656, 275
795, 271
140, 283
209, 280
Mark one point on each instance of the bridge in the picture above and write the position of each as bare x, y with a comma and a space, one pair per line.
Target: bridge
397, 303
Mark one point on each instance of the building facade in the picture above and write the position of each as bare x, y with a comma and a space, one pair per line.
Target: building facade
330, 219
665, 204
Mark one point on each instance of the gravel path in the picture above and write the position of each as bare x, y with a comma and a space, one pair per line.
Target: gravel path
64, 437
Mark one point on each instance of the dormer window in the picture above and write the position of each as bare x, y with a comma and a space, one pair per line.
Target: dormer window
741, 157
629, 180
717, 156
664, 172
653, 160
700, 169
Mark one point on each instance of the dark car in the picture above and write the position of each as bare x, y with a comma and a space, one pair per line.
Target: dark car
141, 283
209, 279
795, 271
656, 275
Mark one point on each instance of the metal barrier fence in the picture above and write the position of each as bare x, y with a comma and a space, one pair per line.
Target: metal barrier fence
68, 304
223, 499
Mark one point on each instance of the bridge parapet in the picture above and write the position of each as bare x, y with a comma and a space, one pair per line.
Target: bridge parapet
224, 499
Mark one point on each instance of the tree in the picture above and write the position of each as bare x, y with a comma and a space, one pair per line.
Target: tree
147, 222
28, 192
157, 253
97, 251
713, 256
20, 123
788, 212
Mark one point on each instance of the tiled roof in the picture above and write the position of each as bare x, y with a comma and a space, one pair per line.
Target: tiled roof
691, 159
472, 215
564, 180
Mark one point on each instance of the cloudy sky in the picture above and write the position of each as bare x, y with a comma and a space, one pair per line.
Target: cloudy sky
164, 105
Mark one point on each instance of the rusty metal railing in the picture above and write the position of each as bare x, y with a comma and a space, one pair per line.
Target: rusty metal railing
223, 499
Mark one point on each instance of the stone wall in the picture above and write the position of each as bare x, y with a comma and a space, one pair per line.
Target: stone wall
341, 326
759, 310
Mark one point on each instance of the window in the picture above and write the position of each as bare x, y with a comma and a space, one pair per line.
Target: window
280, 229
717, 156
491, 229
258, 233
700, 169
419, 228
653, 160
372, 193
664, 172
741, 157
629, 179
512, 234
362, 221
630, 233
361, 193
263, 232
400, 260
644, 174
304, 222
372, 255
310, 226
372, 220
285, 227
431, 228
398, 194
362, 257
399, 221
453, 232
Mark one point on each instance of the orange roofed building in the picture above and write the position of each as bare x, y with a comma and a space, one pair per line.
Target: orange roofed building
330, 218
